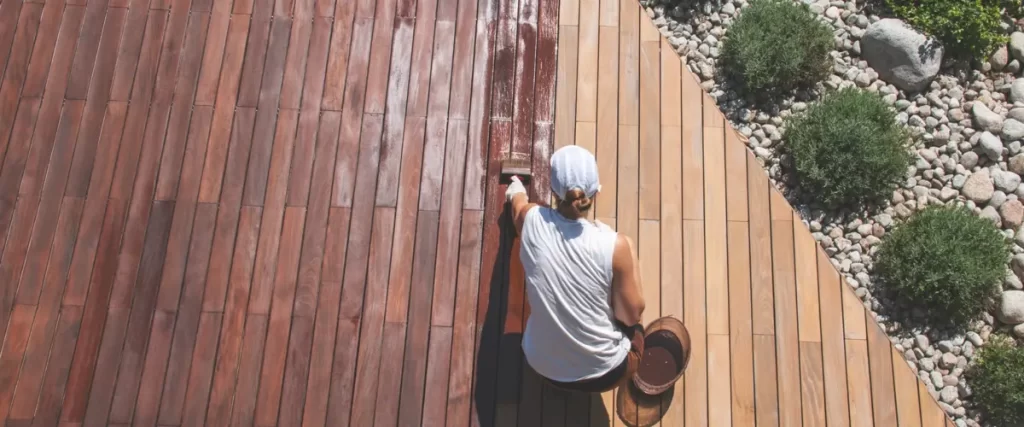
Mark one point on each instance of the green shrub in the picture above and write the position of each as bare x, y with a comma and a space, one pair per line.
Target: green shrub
848, 149
777, 45
967, 28
945, 260
997, 380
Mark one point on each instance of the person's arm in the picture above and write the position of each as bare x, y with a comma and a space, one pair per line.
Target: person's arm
520, 203
627, 298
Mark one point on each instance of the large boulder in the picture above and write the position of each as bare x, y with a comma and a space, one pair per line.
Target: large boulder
900, 55
1011, 308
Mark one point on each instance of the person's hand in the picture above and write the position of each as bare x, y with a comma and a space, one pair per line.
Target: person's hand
514, 187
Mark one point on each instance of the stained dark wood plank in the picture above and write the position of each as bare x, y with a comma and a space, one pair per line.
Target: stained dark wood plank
298, 52
15, 343
389, 379
415, 358
380, 56
347, 36
464, 327
392, 143
256, 49
52, 391
296, 372
405, 223
422, 53
86, 53
201, 373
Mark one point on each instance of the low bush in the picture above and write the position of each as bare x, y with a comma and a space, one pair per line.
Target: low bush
777, 45
945, 260
997, 381
967, 28
848, 149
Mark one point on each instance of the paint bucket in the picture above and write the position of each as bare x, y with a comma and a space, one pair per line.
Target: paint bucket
666, 353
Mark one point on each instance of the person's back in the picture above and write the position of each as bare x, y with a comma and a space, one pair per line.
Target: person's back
570, 334
582, 280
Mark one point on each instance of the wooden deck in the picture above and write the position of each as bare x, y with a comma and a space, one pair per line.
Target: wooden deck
286, 212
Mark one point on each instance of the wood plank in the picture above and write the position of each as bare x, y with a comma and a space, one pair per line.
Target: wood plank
188, 320
447, 257
441, 69
693, 152
154, 368
479, 119
392, 143
523, 95
223, 116
780, 208
256, 49
243, 405
735, 176
130, 54
44, 326
380, 57
569, 13
462, 61
105, 373
908, 409
372, 323
740, 327
303, 153
695, 318
547, 63
719, 390
812, 390
806, 282
650, 138
712, 115
715, 234
433, 164
258, 169
390, 377
761, 287
95, 314
15, 73
296, 372
322, 355
227, 217
833, 347
565, 97
9, 14
405, 222
883, 391
438, 368
422, 53
628, 185
299, 49
786, 334
15, 344
464, 327
629, 63
201, 371
931, 414
587, 79
671, 223
607, 119
503, 79
316, 66
649, 253
766, 394
175, 147
15, 252
283, 301
859, 386
648, 32
671, 85
52, 391
416, 339
85, 54
226, 369
356, 261
565, 408
215, 52
348, 36
129, 373
853, 314
314, 240
45, 55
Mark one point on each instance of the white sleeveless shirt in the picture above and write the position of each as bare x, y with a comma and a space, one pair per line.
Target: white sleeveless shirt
570, 334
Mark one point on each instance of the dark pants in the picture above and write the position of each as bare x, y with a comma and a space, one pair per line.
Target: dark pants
618, 375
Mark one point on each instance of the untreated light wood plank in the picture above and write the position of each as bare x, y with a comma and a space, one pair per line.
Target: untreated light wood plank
719, 388
766, 392
649, 254
786, 333
715, 233
883, 389
908, 408
629, 63
693, 152
607, 120
671, 86
853, 315
807, 283
565, 98
628, 185
650, 129
587, 79
812, 384
859, 387
761, 286
695, 318
736, 156
833, 344
740, 328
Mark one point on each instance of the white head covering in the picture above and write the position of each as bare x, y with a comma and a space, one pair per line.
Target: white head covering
573, 167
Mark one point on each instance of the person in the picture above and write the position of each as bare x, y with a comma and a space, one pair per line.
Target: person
582, 282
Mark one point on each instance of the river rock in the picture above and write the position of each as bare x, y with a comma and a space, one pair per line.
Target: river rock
901, 55
1011, 307
990, 145
978, 187
986, 119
